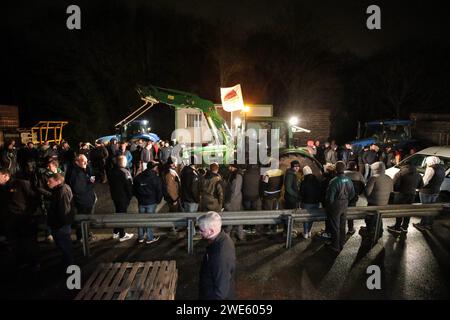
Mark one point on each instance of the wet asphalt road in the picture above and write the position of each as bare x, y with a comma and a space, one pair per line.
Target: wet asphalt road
415, 267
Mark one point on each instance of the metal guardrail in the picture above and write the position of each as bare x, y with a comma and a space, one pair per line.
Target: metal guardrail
266, 217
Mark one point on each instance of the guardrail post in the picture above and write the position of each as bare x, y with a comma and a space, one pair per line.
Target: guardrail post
191, 232
378, 220
85, 237
290, 225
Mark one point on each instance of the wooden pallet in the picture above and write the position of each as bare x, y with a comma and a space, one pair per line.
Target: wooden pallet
154, 280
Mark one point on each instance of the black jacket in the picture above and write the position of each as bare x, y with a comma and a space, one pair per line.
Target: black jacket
310, 189
147, 188
120, 185
217, 270
18, 198
291, 190
369, 157
251, 184
359, 184
190, 185
59, 213
82, 187
407, 180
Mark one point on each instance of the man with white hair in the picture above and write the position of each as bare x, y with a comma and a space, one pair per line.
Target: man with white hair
432, 181
81, 181
216, 281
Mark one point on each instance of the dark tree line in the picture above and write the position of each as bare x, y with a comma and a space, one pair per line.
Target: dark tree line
88, 77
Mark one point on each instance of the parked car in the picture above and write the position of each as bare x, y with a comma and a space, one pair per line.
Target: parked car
418, 160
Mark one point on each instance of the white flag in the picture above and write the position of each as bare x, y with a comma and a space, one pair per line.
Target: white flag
232, 99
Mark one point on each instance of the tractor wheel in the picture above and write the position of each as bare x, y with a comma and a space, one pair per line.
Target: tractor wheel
285, 163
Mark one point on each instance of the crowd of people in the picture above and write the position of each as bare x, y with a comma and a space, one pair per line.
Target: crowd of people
57, 182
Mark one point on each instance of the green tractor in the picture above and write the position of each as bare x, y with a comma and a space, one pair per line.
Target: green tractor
225, 146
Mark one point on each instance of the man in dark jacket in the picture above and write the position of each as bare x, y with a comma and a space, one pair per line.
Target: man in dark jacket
217, 272
339, 193
18, 203
59, 217
251, 185
310, 196
359, 184
213, 193
190, 187
272, 183
121, 188
147, 188
291, 194
81, 181
388, 157
432, 180
406, 181
369, 157
98, 158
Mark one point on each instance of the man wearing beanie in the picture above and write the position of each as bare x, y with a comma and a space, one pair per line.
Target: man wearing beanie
291, 191
339, 192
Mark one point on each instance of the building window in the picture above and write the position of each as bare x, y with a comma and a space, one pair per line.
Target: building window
193, 120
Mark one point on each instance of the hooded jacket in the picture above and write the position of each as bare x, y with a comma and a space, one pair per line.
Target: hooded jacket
379, 186
407, 180
147, 188
310, 189
190, 185
59, 212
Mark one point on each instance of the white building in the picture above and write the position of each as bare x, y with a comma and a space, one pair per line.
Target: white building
195, 128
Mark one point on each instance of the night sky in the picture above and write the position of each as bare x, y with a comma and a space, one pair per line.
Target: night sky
292, 54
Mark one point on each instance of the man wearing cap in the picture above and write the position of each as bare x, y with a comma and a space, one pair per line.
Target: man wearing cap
339, 192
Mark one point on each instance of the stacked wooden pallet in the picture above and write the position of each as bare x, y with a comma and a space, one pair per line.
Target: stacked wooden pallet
153, 280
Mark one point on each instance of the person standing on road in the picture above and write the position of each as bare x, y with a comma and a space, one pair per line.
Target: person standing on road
147, 188
59, 216
121, 188
217, 271
19, 202
339, 193
406, 181
310, 196
378, 191
291, 191
272, 183
190, 187
359, 184
233, 197
81, 181
429, 193
369, 157
146, 155
213, 193
172, 185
